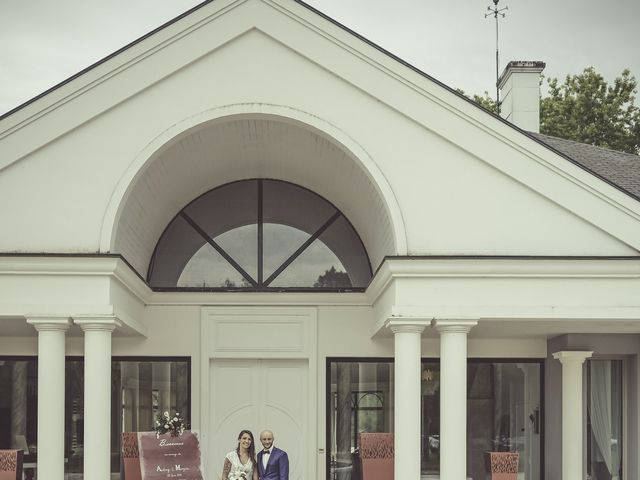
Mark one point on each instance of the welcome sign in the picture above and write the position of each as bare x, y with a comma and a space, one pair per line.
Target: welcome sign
166, 457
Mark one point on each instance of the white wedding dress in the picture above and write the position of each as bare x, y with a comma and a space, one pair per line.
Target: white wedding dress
238, 468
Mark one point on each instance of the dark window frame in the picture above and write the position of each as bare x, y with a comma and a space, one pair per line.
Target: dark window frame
259, 284
114, 359
329, 404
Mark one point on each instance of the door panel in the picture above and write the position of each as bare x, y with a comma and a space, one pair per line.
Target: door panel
285, 410
256, 395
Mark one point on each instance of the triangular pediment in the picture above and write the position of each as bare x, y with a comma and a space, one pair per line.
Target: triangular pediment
464, 181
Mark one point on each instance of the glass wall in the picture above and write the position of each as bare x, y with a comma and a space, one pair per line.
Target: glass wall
18, 403
361, 400
503, 413
604, 419
140, 388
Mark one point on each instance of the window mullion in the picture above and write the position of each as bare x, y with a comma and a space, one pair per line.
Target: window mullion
302, 248
218, 248
260, 235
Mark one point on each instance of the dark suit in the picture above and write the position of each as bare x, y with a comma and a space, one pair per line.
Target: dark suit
277, 467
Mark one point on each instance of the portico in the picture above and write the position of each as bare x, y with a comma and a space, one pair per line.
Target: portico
495, 327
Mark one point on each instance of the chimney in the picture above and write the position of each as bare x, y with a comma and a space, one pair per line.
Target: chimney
519, 86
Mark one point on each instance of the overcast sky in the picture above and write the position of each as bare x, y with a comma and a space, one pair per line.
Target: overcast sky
42, 42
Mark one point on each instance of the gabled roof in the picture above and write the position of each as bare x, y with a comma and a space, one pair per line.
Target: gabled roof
205, 2
620, 169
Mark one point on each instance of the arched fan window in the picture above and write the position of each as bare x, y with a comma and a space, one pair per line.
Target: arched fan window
259, 235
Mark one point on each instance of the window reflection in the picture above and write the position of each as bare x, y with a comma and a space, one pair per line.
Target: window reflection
316, 267
361, 401
604, 419
503, 413
19, 404
140, 389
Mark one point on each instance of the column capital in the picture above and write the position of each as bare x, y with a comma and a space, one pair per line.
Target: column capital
44, 323
104, 323
572, 356
454, 325
407, 325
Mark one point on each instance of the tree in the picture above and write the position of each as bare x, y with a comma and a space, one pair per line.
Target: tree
485, 101
228, 283
332, 278
585, 108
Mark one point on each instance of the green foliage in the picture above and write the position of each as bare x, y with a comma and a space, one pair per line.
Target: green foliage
231, 284
333, 278
585, 108
485, 101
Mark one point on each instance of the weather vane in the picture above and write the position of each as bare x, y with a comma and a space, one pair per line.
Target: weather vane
496, 13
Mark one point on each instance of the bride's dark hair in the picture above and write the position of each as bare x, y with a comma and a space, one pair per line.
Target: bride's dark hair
252, 447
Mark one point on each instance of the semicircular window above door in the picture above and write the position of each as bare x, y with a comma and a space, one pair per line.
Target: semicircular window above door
260, 235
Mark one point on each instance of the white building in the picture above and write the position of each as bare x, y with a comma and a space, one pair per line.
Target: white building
167, 212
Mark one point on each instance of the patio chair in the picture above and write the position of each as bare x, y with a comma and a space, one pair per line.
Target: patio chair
376, 456
130, 456
11, 464
502, 465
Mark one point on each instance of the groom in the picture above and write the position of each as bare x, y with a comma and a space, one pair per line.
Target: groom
273, 463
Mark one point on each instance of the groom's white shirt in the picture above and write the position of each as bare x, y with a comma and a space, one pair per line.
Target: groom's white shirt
265, 457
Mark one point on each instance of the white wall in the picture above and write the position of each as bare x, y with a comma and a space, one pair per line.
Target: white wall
456, 174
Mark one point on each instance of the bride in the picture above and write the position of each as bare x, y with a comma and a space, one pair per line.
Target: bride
239, 463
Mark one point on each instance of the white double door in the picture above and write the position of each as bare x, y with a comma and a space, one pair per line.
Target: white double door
252, 394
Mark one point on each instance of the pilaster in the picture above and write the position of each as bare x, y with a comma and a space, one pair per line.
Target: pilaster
572, 408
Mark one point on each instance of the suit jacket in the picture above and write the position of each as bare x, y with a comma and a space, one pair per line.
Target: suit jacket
277, 467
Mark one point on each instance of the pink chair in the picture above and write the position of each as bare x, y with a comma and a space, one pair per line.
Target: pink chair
11, 464
131, 456
502, 465
376, 456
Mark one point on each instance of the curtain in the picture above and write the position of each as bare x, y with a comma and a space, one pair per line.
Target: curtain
605, 413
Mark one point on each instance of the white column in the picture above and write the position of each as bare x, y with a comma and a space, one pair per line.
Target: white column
407, 340
572, 409
51, 350
97, 395
453, 397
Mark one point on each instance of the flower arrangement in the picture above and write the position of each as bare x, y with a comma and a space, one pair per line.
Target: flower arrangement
175, 425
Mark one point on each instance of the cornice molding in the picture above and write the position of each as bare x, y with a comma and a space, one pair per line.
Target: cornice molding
114, 267
257, 299
96, 265
392, 269
407, 268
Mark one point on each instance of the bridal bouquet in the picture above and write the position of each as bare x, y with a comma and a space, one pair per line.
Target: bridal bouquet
238, 476
175, 425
